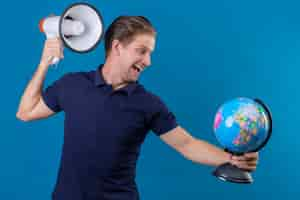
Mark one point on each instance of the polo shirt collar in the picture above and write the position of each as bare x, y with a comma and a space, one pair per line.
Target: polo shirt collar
99, 81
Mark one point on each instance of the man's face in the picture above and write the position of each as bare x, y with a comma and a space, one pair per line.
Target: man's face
136, 56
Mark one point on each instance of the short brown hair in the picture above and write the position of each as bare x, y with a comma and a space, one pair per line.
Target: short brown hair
125, 28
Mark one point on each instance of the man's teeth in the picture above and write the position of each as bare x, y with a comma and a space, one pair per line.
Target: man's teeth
138, 67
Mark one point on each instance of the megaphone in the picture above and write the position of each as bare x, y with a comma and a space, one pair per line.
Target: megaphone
80, 28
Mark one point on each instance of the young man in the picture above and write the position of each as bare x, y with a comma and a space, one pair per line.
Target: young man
107, 116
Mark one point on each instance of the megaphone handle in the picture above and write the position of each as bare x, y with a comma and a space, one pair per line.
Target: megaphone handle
54, 60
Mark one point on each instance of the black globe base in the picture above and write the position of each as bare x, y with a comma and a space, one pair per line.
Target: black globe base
231, 173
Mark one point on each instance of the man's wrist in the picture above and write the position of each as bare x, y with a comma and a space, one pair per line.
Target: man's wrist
228, 157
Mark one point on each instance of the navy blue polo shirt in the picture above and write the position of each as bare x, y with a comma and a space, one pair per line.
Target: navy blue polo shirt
103, 133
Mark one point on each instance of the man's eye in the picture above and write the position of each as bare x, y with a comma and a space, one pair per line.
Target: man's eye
142, 51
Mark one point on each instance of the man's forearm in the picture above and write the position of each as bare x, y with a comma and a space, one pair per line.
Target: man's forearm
202, 152
32, 93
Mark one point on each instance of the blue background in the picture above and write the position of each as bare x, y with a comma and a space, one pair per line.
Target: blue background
207, 52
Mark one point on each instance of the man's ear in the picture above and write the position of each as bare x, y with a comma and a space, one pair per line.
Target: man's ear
115, 46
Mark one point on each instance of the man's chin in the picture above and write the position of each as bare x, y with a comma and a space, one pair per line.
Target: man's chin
134, 79
131, 81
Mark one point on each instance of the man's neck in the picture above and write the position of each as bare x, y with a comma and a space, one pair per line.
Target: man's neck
112, 76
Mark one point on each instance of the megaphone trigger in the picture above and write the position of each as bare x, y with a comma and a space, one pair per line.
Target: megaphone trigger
53, 60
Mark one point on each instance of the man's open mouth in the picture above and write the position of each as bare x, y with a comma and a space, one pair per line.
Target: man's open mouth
137, 68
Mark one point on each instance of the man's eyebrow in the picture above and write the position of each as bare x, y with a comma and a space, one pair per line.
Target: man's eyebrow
143, 46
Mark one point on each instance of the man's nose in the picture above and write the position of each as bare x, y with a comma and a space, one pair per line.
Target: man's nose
147, 60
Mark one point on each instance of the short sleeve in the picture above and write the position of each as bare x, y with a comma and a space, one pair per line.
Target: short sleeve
52, 95
162, 119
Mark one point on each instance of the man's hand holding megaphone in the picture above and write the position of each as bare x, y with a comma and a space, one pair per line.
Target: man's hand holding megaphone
53, 48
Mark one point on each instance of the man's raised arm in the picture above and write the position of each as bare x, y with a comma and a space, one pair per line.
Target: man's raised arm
32, 106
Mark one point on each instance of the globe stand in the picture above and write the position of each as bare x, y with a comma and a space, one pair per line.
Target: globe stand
231, 173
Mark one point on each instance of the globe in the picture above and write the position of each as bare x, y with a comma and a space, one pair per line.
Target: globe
242, 125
